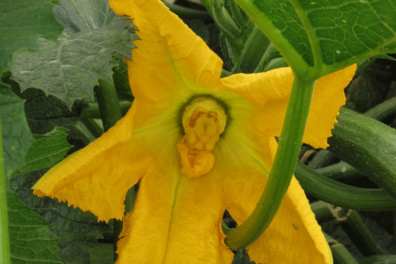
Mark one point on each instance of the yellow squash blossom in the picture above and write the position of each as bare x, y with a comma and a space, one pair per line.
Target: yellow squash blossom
199, 145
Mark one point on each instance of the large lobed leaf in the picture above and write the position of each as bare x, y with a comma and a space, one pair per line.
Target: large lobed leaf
78, 231
241, 257
320, 37
70, 68
22, 23
45, 151
15, 130
31, 241
45, 113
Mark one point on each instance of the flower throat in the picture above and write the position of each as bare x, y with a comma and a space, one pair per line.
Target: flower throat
203, 121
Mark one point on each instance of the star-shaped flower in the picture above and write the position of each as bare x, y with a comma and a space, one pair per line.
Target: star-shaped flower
199, 145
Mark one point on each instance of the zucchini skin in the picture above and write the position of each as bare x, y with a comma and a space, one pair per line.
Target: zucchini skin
341, 194
368, 145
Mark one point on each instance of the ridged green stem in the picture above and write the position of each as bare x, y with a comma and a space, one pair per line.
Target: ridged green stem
92, 126
341, 171
320, 159
352, 224
225, 228
322, 211
383, 110
224, 21
274, 63
270, 54
208, 5
188, 12
253, 50
282, 169
111, 113
342, 195
382, 259
340, 254
359, 234
108, 104
237, 14
5, 254
83, 133
92, 111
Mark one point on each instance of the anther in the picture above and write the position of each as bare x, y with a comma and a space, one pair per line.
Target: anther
204, 120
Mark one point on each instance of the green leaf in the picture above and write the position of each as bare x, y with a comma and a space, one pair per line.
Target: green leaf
121, 81
45, 151
22, 23
71, 68
374, 85
31, 240
384, 56
320, 37
242, 257
45, 113
102, 254
384, 259
77, 230
15, 130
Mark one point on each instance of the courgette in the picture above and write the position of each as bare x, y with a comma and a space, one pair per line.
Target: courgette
368, 145
340, 194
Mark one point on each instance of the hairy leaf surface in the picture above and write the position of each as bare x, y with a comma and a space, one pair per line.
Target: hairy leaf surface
22, 23
78, 230
320, 37
15, 130
71, 68
31, 241
45, 151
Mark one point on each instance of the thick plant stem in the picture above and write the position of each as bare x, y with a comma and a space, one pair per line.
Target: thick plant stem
352, 224
111, 113
340, 254
341, 171
92, 126
383, 110
340, 194
188, 12
321, 159
322, 211
5, 257
224, 21
92, 111
237, 14
108, 104
282, 169
360, 235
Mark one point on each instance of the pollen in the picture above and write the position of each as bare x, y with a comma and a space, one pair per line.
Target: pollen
203, 121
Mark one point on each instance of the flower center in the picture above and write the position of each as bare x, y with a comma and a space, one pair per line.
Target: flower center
203, 120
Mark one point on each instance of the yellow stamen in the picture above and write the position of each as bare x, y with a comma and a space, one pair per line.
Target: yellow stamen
211, 127
204, 120
194, 162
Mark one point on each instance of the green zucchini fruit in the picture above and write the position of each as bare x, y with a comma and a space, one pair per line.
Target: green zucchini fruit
368, 145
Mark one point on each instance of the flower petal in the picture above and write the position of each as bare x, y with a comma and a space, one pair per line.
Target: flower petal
98, 177
169, 55
294, 235
175, 219
271, 90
